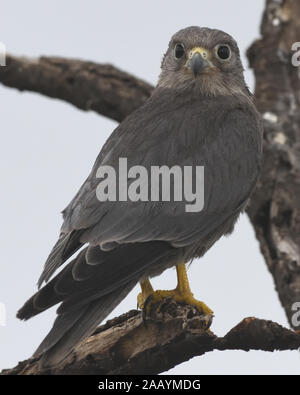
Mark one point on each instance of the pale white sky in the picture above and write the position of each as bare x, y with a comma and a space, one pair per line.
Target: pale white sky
48, 147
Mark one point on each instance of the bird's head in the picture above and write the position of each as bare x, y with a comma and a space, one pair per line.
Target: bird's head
204, 57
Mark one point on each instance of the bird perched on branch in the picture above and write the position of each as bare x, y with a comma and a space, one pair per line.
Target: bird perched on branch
200, 114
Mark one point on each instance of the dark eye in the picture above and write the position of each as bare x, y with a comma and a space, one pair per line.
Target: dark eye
223, 52
179, 51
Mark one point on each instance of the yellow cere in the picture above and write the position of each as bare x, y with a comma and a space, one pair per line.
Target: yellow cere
203, 52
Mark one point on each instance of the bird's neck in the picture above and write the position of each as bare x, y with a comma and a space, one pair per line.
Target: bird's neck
206, 85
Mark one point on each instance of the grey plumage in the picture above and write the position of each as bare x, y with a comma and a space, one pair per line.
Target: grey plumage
75, 326
207, 120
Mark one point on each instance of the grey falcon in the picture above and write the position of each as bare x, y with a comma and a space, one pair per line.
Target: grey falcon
201, 113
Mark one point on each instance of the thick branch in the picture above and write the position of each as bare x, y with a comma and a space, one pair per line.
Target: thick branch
87, 85
275, 207
128, 346
175, 334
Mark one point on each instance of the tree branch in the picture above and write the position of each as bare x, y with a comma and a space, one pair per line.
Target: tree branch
87, 85
173, 334
125, 345
275, 206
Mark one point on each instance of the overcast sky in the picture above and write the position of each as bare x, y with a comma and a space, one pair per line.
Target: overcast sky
48, 147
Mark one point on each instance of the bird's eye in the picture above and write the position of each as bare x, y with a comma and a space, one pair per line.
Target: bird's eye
223, 52
179, 51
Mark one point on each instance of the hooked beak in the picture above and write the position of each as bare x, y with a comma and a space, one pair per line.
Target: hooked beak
198, 62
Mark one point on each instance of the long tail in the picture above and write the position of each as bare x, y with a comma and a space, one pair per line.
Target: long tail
71, 328
89, 288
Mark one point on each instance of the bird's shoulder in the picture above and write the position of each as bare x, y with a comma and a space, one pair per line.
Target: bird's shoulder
222, 134
182, 120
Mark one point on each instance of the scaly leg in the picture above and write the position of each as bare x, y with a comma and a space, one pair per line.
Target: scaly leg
182, 293
147, 290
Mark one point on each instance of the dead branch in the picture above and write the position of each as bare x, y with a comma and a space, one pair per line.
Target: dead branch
125, 345
172, 335
87, 85
275, 207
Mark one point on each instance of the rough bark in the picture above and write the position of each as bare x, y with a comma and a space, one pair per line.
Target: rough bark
275, 206
274, 210
172, 335
87, 85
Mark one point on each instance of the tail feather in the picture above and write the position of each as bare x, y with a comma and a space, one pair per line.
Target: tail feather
89, 288
65, 247
71, 328
31, 308
43, 299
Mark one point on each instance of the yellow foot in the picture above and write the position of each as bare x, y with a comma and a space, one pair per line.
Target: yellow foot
148, 298
186, 297
147, 290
